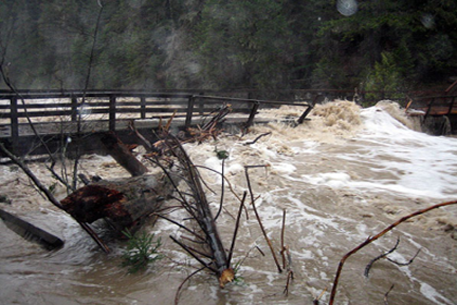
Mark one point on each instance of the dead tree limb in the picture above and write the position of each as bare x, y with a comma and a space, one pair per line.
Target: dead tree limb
51, 197
143, 140
122, 155
290, 277
369, 240
246, 168
198, 208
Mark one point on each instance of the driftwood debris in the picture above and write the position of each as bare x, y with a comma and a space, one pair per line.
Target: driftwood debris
31, 232
122, 155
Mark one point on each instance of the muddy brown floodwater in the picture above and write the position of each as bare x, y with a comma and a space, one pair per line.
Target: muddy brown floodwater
343, 176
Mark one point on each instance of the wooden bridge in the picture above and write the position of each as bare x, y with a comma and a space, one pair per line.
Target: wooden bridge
438, 111
28, 118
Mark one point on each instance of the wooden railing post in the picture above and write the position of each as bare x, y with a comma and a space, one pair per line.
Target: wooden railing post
190, 110
451, 105
305, 113
74, 109
112, 113
201, 105
14, 125
429, 108
143, 107
254, 109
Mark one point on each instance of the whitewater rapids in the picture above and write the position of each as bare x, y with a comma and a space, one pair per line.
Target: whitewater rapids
342, 176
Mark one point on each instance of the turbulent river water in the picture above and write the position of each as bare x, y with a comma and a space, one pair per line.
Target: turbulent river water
342, 176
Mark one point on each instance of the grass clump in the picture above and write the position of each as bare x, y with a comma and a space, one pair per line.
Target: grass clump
141, 250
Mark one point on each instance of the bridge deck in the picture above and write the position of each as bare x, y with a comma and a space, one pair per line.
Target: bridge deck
57, 114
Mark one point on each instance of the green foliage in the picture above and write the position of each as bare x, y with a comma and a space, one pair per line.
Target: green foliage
141, 251
221, 154
52, 187
243, 42
265, 44
238, 280
385, 78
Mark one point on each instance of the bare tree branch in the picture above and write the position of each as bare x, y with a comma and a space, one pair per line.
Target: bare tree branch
369, 240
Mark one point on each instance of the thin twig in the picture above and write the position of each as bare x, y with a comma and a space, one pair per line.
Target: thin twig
283, 248
316, 300
386, 301
290, 272
186, 248
371, 239
182, 284
180, 225
256, 139
408, 262
83, 99
237, 224
290, 277
260, 250
222, 191
229, 185
246, 168
368, 267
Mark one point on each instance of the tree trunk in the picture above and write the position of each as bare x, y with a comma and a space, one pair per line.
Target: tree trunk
124, 202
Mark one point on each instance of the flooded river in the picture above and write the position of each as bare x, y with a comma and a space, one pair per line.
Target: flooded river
343, 176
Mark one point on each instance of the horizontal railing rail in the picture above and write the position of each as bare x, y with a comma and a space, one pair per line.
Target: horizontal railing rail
435, 105
112, 106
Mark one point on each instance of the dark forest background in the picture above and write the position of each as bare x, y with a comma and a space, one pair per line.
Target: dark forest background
264, 44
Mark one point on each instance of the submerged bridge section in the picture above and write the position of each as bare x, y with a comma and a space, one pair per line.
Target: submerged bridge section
438, 113
30, 118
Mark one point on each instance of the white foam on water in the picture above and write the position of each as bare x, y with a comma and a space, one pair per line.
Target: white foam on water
433, 295
342, 151
417, 164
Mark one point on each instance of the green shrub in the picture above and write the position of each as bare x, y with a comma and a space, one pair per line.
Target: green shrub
141, 250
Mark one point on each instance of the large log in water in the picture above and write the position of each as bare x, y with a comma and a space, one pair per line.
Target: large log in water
125, 202
122, 155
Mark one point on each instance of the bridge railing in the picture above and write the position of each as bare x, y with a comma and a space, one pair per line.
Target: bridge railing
107, 109
434, 105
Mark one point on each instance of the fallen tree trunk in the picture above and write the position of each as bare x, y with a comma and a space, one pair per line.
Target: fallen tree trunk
124, 202
198, 207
